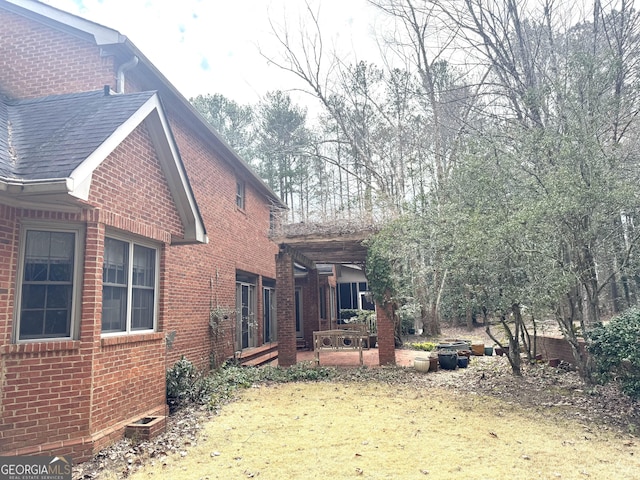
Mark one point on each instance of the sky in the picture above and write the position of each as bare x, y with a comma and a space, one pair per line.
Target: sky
213, 46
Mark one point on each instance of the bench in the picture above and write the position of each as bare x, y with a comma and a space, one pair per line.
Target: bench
340, 339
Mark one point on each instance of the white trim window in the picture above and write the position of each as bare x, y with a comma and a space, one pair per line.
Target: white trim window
129, 286
49, 282
240, 194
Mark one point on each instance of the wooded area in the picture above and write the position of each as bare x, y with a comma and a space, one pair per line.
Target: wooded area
496, 144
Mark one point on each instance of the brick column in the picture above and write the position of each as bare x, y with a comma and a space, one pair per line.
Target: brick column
285, 304
386, 338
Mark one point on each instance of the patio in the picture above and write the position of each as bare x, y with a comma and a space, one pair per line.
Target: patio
404, 358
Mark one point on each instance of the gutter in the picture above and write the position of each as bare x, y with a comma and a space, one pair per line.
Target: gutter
37, 187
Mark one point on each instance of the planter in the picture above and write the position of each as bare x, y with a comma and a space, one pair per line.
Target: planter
499, 351
463, 362
488, 351
433, 364
478, 349
454, 344
145, 429
421, 364
448, 359
539, 357
554, 362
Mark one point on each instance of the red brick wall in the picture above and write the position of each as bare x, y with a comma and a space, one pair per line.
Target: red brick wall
99, 383
134, 172
8, 242
205, 274
45, 386
129, 371
36, 60
57, 395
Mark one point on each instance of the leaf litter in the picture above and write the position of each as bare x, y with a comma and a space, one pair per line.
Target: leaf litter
396, 423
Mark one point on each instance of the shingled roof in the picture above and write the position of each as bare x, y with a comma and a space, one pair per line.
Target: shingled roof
50, 146
148, 77
49, 137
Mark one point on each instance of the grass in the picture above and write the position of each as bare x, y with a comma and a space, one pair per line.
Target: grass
380, 431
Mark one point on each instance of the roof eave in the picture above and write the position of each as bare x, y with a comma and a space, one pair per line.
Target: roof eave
204, 128
102, 35
44, 186
151, 113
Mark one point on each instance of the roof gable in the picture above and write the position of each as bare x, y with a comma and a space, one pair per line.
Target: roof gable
52, 146
112, 41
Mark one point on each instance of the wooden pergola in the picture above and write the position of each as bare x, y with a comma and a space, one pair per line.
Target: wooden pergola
308, 250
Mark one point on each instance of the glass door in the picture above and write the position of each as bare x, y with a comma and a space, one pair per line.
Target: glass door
246, 327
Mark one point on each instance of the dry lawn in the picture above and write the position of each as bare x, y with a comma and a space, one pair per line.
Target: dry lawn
374, 431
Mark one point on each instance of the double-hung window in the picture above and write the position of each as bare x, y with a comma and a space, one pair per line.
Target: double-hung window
129, 286
240, 194
48, 283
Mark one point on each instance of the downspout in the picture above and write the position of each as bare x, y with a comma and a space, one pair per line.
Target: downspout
120, 75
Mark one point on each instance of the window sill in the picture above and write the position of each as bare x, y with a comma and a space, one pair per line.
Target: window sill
131, 338
40, 347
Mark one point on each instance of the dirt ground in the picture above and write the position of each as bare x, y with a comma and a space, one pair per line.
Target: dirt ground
548, 415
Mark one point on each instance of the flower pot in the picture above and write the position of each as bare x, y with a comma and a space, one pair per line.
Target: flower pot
463, 362
488, 351
478, 348
454, 344
499, 351
433, 364
539, 357
448, 359
421, 364
554, 362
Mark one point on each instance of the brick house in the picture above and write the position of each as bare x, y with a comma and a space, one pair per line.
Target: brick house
125, 222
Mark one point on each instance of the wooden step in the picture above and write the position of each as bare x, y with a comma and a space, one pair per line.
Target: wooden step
255, 356
261, 360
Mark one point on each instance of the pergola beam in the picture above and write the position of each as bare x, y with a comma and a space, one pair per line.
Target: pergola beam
297, 256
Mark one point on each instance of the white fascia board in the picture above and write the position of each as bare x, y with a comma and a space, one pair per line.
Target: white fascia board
83, 172
101, 34
176, 176
36, 187
168, 155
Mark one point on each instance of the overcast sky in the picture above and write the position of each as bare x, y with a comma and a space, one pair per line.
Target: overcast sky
212, 46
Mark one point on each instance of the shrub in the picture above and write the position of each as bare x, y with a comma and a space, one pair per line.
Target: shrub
186, 384
348, 313
295, 373
181, 380
616, 349
424, 346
